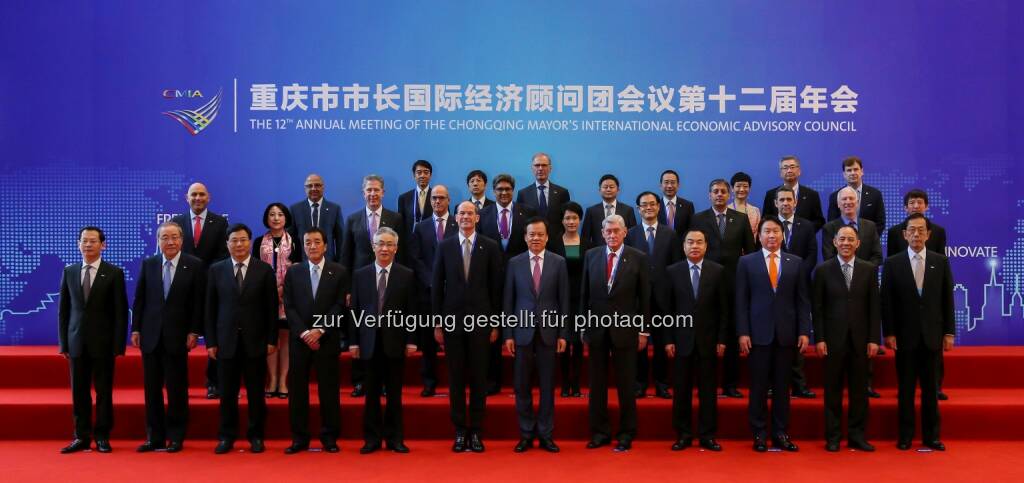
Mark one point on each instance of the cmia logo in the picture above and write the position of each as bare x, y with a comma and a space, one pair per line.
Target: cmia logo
194, 120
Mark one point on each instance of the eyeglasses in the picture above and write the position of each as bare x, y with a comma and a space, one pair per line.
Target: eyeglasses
315, 185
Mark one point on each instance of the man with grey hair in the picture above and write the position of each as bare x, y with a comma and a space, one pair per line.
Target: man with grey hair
808, 201
357, 251
615, 286
870, 245
167, 321
543, 196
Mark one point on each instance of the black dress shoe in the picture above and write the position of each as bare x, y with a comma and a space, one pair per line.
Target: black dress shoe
860, 444
475, 444
103, 446
597, 442
75, 446
759, 445
577, 393
710, 444
731, 392
212, 393
256, 445
174, 447
640, 393
903, 445
941, 396
547, 444
523, 445
397, 447
623, 445
296, 447
369, 447
935, 445
223, 446
565, 392
782, 442
428, 391
804, 393
149, 446
358, 391
459, 445
330, 446
493, 390
682, 444
662, 393
832, 446
872, 393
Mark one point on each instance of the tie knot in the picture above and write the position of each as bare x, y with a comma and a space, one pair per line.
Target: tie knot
917, 256
695, 268
504, 210
465, 242
168, 264
536, 258
542, 187
239, 265
383, 271
611, 256
650, 229
316, 268
316, 205
88, 267
771, 256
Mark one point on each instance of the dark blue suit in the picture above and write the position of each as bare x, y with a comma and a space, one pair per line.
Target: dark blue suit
422, 247
773, 319
539, 325
331, 222
667, 250
802, 242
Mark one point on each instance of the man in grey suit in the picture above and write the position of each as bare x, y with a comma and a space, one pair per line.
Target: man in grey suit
536, 296
316, 212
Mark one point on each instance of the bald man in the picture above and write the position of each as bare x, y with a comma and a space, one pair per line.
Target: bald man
317, 212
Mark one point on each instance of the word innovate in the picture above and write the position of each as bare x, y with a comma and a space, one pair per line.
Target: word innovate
558, 125
547, 319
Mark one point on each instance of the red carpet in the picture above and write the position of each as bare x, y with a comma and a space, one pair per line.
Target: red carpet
985, 384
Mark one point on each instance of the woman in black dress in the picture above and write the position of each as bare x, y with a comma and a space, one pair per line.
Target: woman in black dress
571, 246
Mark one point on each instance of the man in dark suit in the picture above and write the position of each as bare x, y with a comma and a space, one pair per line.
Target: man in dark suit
476, 181
729, 237
414, 205
662, 247
872, 207
773, 312
847, 317
870, 244
92, 327
698, 291
387, 291
917, 315
916, 201
594, 218
166, 323
203, 237
467, 285
357, 251
504, 222
544, 197
615, 285
798, 238
423, 246
317, 212
676, 211
241, 329
314, 303
808, 205
537, 298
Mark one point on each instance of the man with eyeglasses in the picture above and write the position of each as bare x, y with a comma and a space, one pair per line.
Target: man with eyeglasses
317, 212
808, 204
544, 196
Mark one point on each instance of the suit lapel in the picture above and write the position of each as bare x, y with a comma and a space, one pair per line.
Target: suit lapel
76, 280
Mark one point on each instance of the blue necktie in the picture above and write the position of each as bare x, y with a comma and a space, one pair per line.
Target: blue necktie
650, 240
167, 277
314, 279
695, 279
542, 206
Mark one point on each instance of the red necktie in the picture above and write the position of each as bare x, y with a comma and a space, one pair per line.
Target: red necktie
197, 231
611, 265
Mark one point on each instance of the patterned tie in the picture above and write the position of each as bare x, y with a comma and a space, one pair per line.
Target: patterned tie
197, 231
919, 272
316, 215
467, 254
773, 271
503, 225
440, 229
536, 274
382, 285
167, 277
672, 216
87, 283
374, 224
419, 206
314, 279
787, 233
609, 268
847, 274
695, 279
542, 203
650, 240
721, 226
609, 210
238, 275
478, 204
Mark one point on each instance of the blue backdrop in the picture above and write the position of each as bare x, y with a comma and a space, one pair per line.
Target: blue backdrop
923, 91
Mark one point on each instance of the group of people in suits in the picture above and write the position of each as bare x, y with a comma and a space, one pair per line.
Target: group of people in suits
305, 288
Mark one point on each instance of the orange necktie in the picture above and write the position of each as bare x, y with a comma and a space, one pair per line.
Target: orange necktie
773, 271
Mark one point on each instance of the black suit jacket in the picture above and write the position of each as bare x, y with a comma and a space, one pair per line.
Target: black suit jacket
667, 250
422, 249
684, 215
488, 226
630, 293
325, 310
253, 309
97, 327
709, 311
399, 300
896, 243
803, 243
870, 245
594, 216
452, 293
557, 197
917, 319
487, 202
331, 221
839, 313
872, 206
213, 244
537, 310
412, 214
167, 323
808, 206
357, 251
575, 268
738, 240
